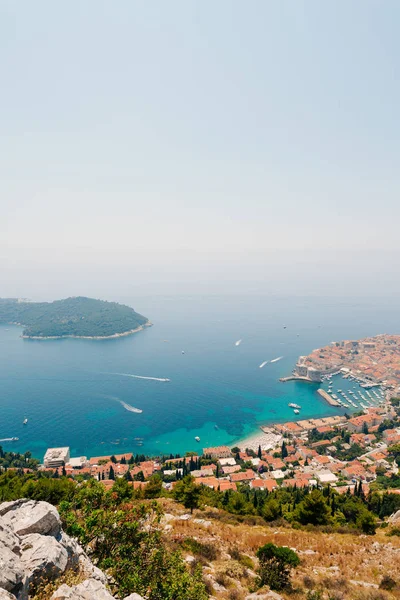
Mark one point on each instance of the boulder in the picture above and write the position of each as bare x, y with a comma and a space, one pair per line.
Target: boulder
134, 597
43, 557
30, 516
91, 589
8, 538
90, 570
12, 573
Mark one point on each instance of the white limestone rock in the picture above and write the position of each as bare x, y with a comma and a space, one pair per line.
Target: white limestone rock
91, 589
12, 572
30, 516
43, 557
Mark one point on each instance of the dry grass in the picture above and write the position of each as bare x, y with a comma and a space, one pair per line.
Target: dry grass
329, 561
46, 589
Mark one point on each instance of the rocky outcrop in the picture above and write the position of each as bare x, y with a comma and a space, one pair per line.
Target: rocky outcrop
33, 547
31, 516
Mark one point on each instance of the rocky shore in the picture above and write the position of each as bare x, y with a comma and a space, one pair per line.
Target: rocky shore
34, 548
88, 337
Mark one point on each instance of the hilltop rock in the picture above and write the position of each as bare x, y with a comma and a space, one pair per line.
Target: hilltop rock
30, 516
42, 556
33, 547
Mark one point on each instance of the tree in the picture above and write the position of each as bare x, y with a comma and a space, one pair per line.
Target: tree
259, 453
367, 522
188, 492
284, 450
128, 476
276, 563
313, 509
365, 428
111, 474
395, 451
154, 487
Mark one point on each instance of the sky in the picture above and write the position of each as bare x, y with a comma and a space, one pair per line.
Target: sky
199, 147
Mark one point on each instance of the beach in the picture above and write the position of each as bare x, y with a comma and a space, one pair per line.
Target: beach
266, 437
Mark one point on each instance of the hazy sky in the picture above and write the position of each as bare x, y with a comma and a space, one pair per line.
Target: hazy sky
199, 146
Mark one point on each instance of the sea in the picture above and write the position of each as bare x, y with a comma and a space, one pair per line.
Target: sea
187, 374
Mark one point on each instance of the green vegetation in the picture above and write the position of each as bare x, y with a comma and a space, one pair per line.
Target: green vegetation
276, 563
16, 460
78, 316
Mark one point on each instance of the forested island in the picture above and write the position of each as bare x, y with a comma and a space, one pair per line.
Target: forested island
71, 317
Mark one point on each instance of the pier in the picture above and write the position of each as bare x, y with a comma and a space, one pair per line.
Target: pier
327, 397
296, 378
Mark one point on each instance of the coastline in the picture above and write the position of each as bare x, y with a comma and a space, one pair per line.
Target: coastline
88, 337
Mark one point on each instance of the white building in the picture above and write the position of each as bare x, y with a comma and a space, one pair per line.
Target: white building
56, 457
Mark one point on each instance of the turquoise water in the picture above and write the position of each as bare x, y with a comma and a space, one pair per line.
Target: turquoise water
71, 390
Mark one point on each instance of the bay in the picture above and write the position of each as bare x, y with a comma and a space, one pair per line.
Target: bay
76, 392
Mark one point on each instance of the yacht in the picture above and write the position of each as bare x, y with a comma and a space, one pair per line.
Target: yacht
197, 438
25, 421
296, 411
292, 405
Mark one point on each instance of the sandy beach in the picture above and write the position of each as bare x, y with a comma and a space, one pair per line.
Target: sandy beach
267, 439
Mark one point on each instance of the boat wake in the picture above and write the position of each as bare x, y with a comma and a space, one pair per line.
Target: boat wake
13, 439
263, 364
130, 408
141, 377
276, 359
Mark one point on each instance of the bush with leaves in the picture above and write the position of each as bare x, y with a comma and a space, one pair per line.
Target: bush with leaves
125, 540
276, 563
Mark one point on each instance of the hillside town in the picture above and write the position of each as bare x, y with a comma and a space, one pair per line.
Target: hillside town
372, 360
340, 451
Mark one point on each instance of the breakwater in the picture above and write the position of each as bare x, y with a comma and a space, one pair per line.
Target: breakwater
295, 378
327, 397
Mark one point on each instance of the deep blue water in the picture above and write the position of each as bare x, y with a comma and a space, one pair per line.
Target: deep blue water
71, 395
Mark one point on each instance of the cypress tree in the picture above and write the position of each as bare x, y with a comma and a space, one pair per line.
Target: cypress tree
259, 454
284, 450
111, 474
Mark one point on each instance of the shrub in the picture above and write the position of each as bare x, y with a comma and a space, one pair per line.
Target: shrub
387, 583
207, 551
276, 563
309, 582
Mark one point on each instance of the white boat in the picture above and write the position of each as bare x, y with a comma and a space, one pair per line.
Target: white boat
183, 352
263, 364
276, 359
238, 343
25, 421
296, 411
293, 405
197, 438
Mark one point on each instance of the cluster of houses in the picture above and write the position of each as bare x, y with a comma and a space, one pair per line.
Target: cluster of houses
374, 359
303, 462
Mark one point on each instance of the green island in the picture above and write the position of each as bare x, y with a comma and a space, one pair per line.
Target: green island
72, 317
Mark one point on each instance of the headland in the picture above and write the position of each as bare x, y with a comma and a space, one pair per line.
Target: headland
372, 361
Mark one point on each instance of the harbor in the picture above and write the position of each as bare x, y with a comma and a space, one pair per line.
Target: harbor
327, 397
